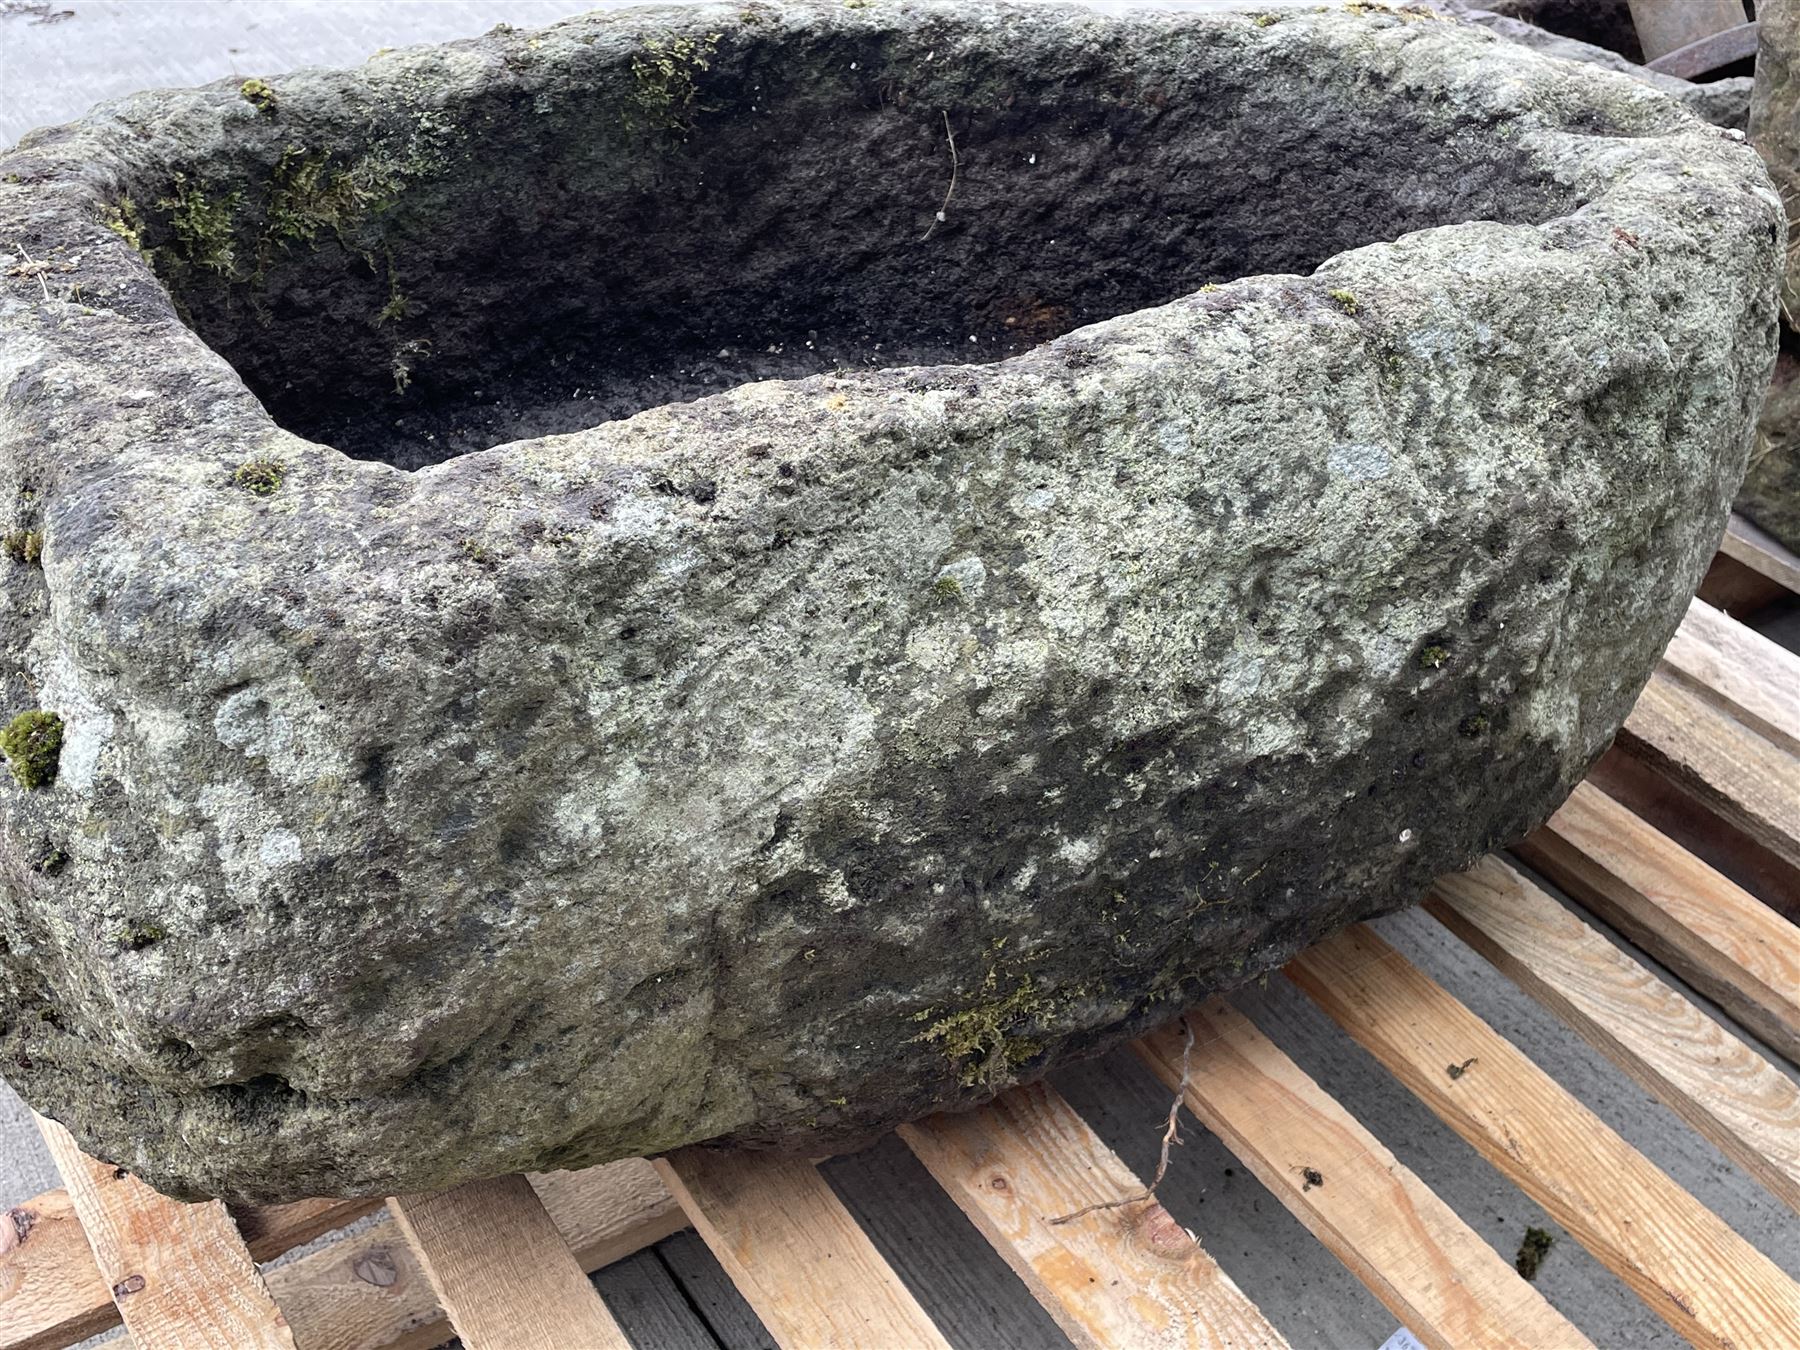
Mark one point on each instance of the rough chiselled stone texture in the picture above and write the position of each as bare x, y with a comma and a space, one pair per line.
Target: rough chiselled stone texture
1251, 471
1601, 36
1771, 492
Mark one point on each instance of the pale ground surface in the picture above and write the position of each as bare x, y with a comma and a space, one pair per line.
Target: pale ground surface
52, 72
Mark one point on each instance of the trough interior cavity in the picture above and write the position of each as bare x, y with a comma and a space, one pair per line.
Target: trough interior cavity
609, 231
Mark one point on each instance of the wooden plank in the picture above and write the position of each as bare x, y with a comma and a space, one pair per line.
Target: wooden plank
963, 1284
1707, 929
1127, 1276
1740, 671
180, 1275
368, 1292
794, 1252
270, 1230
1733, 1096
1430, 1269
1737, 589
1750, 781
650, 1307
365, 1291
1708, 1283
1758, 550
1669, 808
51, 1293
712, 1293
502, 1270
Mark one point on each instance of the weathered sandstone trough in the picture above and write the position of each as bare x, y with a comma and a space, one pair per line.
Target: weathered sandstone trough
1047, 559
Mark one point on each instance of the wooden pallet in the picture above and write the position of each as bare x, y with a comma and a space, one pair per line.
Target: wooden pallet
502, 1263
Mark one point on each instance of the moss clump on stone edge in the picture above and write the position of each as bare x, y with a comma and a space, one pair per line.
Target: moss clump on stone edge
667, 75
259, 95
33, 742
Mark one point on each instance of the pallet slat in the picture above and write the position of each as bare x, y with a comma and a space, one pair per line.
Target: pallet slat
360, 1293
179, 1274
1698, 922
1708, 1283
51, 1292
1739, 670
1758, 550
368, 1292
1128, 1276
794, 1252
502, 1270
270, 1230
1415, 1254
1750, 781
1725, 1090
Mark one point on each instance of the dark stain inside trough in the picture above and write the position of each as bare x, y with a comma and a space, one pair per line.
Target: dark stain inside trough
730, 210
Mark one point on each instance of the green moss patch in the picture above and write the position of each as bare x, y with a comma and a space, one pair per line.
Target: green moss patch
259, 95
33, 742
1532, 1251
23, 546
202, 226
992, 1037
259, 477
667, 80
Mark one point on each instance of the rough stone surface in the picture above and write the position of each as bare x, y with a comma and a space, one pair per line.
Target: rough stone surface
1769, 106
1771, 493
1556, 29
777, 765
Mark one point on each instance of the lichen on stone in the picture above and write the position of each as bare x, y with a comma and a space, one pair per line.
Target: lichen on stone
257, 93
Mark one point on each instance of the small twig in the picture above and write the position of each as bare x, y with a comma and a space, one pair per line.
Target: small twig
939, 219
1171, 1137
36, 271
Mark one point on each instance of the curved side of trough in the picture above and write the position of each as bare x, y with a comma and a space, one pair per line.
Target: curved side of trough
789, 762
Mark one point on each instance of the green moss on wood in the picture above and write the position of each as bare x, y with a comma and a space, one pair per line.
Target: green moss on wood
32, 741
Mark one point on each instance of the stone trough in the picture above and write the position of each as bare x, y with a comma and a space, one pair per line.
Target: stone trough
750, 572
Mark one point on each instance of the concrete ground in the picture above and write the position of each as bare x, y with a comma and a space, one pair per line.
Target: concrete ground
58, 58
